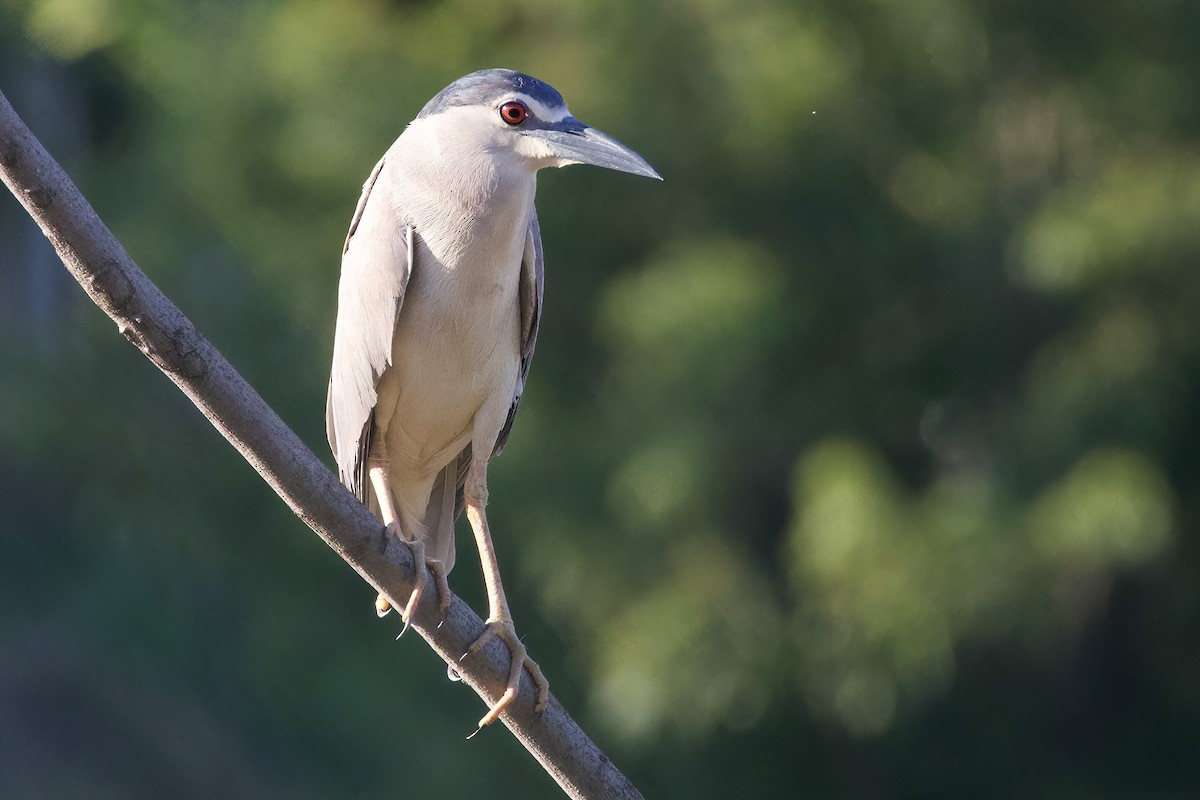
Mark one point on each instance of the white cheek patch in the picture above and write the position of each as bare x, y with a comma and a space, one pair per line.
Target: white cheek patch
535, 148
542, 111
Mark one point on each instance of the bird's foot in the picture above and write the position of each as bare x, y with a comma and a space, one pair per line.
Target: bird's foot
503, 629
425, 567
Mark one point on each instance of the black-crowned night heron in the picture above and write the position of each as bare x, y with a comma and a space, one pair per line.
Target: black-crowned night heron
438, 311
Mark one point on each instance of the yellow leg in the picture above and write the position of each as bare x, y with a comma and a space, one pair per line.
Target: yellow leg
378, 473
499, 621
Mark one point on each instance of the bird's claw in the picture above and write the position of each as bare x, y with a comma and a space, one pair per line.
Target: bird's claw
503, 629
425, 567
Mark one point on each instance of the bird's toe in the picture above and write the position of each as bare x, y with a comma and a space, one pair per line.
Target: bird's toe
503, 629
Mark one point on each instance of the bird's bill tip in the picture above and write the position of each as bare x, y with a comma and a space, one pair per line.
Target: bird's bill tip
584, 144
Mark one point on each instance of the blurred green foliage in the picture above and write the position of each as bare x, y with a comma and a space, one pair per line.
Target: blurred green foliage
859, 458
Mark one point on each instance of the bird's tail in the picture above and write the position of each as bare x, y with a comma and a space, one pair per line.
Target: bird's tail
433, 522
440, 515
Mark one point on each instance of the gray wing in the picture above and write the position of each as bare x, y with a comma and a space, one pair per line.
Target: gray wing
376, 264
533, 269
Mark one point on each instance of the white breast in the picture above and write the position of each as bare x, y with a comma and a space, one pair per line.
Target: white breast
456, 347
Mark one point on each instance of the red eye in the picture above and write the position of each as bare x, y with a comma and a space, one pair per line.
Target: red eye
513, 113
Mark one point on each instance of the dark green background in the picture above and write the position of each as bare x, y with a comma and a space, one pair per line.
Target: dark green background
859, 458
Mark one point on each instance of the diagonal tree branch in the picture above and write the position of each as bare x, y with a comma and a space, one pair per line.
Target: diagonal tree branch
160, 330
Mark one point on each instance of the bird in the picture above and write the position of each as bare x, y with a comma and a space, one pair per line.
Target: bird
439, 306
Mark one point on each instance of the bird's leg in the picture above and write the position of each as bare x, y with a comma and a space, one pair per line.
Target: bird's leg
377, 470
499, 621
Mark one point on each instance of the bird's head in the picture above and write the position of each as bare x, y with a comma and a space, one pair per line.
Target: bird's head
509, 112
